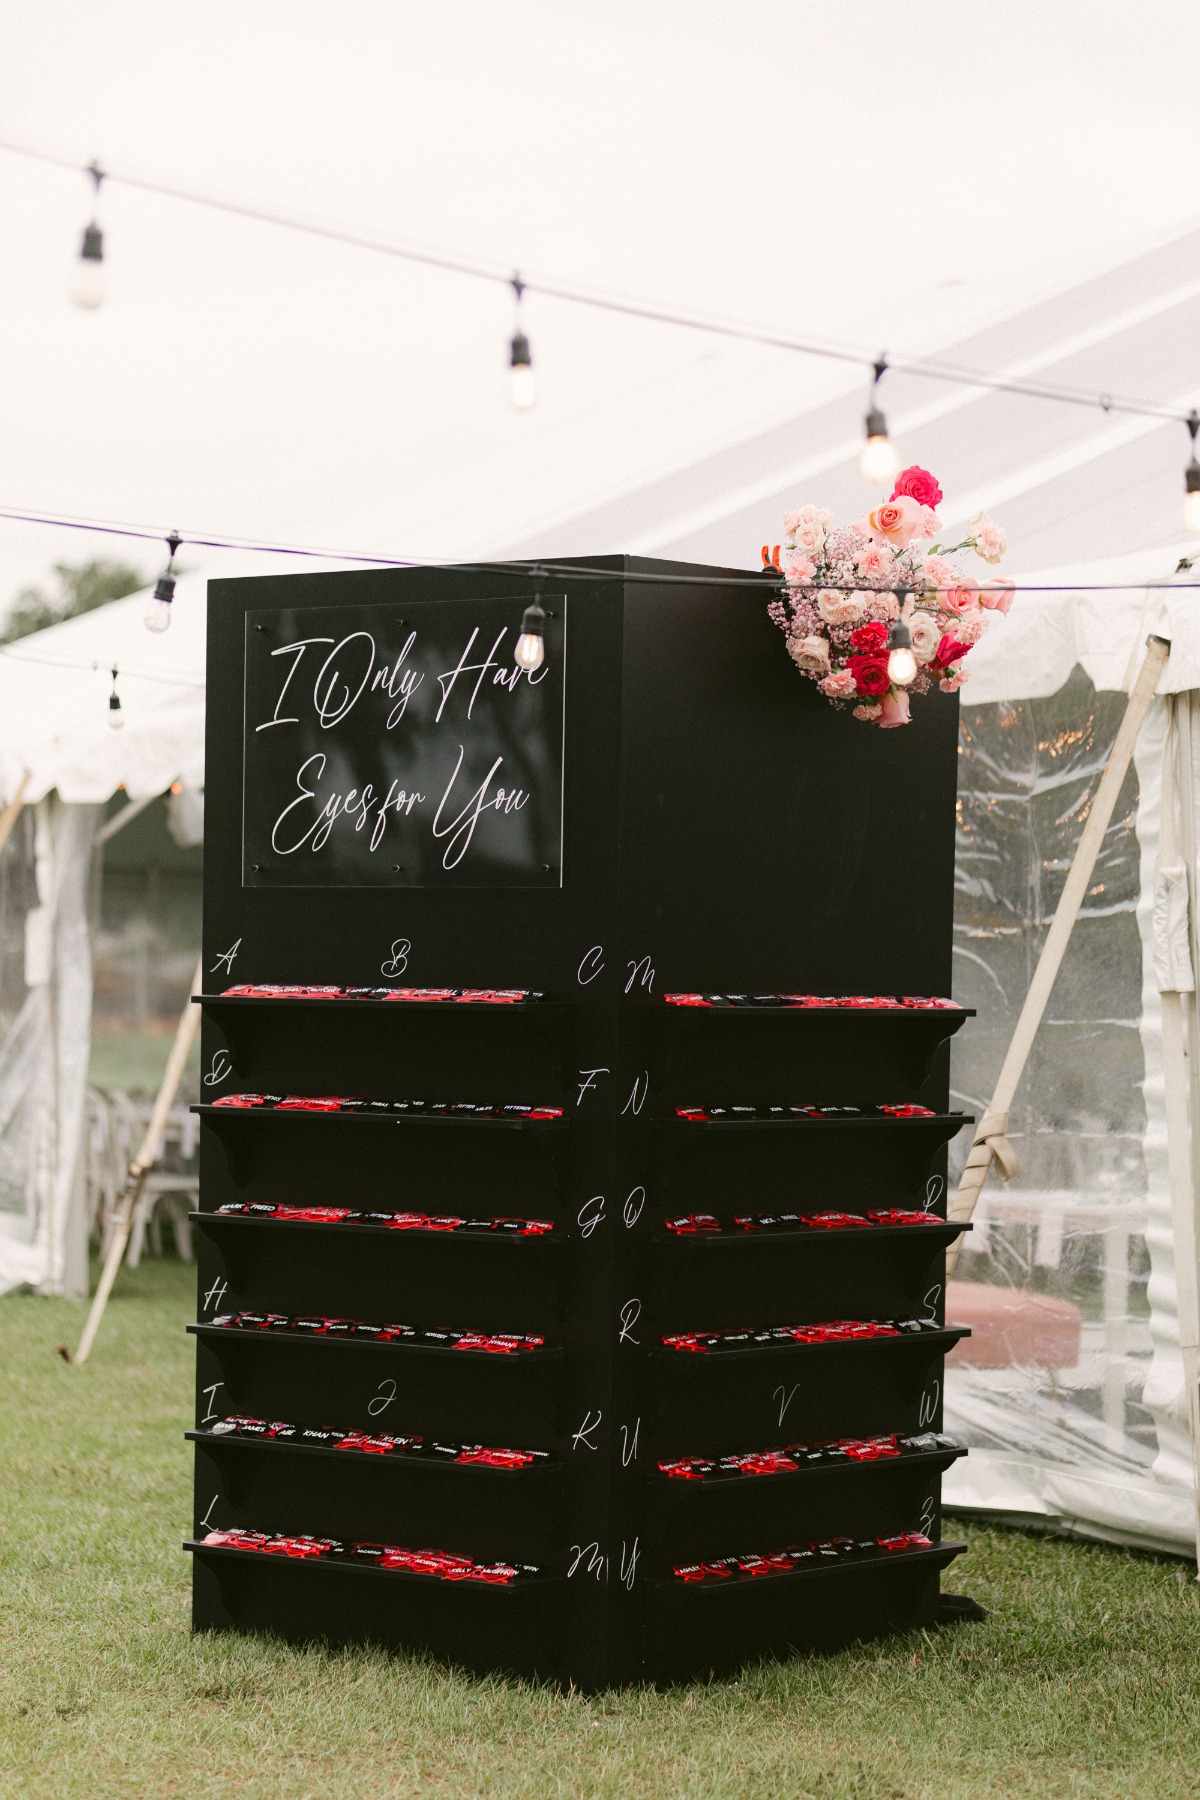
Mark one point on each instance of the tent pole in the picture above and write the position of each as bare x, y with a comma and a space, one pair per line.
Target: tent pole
12, 811
1181, 1046
142, 1163
990, 1143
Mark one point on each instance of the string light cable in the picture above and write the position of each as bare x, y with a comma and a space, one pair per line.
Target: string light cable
577, 295
538, 571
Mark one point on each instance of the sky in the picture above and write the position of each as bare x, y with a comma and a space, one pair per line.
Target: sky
872, 176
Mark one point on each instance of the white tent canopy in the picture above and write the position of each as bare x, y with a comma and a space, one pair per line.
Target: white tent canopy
54, 712
59, 754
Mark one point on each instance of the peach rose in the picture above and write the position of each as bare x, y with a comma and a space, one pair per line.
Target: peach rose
896, 522
809, 536
809, 653
926, 635
990, 541
838, 609
998, 593
841, 685
961, 598
894, 709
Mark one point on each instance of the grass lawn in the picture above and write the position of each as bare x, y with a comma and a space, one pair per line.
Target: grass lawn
1085, 1680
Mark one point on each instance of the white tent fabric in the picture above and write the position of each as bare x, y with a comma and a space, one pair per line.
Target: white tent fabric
54, 713
55, 737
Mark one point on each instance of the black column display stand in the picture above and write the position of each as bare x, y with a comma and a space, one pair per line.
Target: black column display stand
677, 812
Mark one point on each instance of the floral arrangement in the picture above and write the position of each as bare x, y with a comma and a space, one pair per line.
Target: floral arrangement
854, 594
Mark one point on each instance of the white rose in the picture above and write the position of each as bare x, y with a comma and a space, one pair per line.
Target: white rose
926, 635
810, 653
809, 536
838, 609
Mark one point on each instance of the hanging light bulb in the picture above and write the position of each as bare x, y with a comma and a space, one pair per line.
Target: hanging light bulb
520, 361
879, 462
87, 290
1191, 479
158, 618
901, 663
530, 652
116, 717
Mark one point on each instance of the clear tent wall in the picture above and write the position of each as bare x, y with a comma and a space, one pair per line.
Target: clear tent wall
1070, 1391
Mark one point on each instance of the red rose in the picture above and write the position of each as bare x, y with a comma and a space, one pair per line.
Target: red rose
870, 638
920, 485
949, 651
870, 673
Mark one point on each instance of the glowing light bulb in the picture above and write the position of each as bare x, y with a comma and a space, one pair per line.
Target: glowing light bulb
88, 288
901, 663
902, 667
1191, 498
524, 383
530, 651
879, 463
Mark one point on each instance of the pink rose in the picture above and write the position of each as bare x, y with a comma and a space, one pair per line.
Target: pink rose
962, 598
895, 522
800, 570
920, 485
998, 593
841, 685
894, 709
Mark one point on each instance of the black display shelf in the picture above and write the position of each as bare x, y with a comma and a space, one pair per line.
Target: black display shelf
939, 1127
713, 1626
221, 1115
216, 1003
506, 1591
684, 1244
941, 1342
224, 1334
602, 835
535, 1473
543, 1244
936, 1554
699, 1490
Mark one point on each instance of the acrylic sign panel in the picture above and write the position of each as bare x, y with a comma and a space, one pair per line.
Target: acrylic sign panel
401, 746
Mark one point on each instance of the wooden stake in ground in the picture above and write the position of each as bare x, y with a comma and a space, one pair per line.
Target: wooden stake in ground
990, 1144
142, 1163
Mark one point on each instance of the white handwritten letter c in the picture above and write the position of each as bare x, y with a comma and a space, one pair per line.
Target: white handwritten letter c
592, 961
